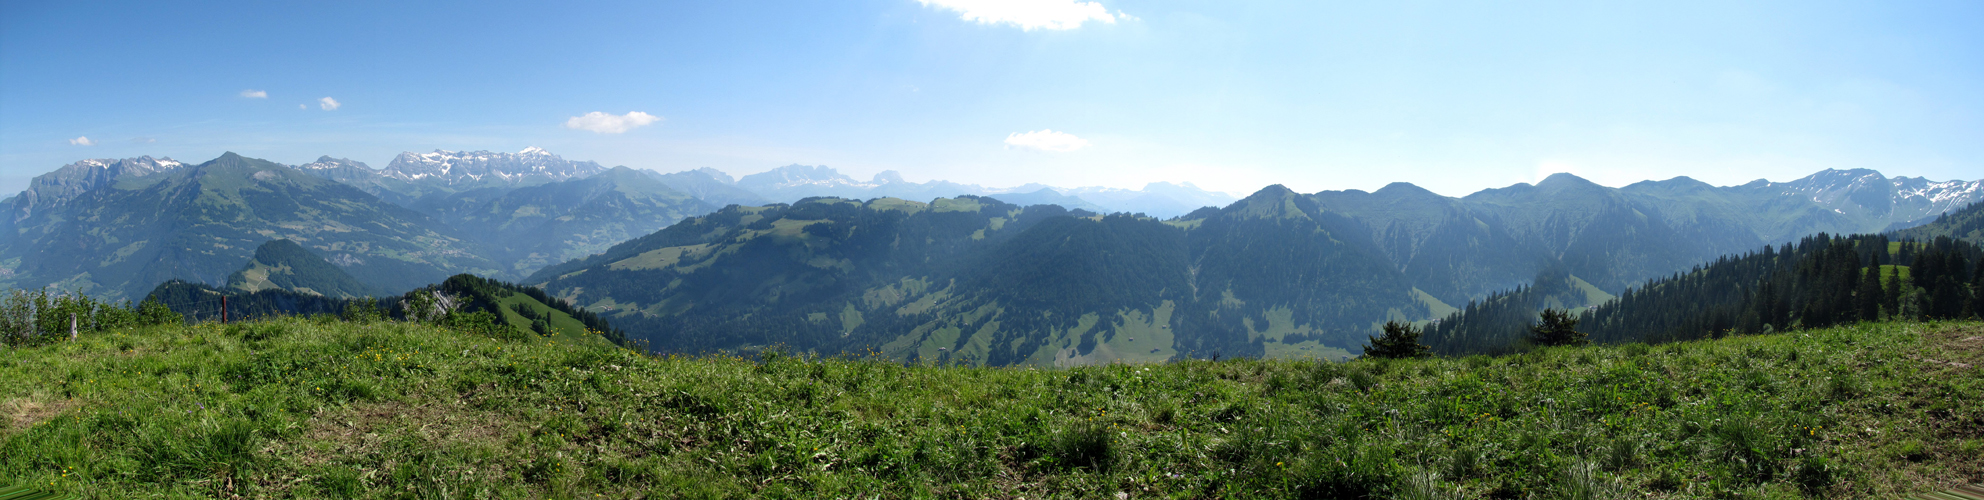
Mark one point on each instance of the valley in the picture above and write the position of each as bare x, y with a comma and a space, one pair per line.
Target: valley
804, 257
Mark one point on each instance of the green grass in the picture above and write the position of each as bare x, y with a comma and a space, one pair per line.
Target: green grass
570, 330
303, 408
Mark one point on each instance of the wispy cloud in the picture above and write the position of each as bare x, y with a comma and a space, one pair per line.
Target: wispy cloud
82, 141
143, 140
328, 104
255, 94
1029, 15
1046, 140
603, 123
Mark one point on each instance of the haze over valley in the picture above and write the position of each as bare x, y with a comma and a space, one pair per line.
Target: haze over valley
805, 256
1034, 249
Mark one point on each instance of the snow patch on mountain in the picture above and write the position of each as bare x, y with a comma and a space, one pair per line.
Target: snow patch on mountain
530, 166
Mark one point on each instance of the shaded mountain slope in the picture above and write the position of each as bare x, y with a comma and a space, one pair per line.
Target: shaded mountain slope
200, 223
1966, 225
1817, 281
554, 222
710, 185
1461, 249
976, 280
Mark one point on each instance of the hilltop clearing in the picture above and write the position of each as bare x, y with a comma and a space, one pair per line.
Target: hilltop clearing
317, 408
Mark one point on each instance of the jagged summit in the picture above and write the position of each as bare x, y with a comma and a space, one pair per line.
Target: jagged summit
74, 179
887, 177
1867, 194
530, 166
796, 175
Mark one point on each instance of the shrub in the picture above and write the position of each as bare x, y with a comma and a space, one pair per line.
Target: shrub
1557, 328
1400, 340
362, 311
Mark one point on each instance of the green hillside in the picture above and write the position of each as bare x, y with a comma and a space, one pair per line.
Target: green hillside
977, 280
284, 265
484, 306
1820, 280
297, 408
1965, 224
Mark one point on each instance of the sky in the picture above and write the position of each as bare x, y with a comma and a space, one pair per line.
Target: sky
1229, 95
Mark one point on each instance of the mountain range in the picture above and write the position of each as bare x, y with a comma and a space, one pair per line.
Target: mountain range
121, 226
116, 229
806, 256
1277, 274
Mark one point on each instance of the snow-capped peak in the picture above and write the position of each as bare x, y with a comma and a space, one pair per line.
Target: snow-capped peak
460, 167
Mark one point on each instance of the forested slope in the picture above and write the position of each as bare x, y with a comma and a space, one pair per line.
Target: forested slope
976, 280
1819, 281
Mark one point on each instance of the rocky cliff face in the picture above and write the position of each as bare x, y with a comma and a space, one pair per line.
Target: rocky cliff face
76, 179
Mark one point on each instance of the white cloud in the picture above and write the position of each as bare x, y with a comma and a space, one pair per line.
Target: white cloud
328, 104
302, 106
255, 94
610, 124
1029, 15
82, 141
1046, 140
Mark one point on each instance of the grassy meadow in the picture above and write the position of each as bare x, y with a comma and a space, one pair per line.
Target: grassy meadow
316, 408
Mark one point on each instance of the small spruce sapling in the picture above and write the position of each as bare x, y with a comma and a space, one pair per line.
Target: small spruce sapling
1401, 340
1557, 328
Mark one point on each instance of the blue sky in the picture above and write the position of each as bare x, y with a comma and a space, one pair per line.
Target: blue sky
1230, 95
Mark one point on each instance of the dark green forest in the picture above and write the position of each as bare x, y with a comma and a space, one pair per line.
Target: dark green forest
1819, 281
467, 295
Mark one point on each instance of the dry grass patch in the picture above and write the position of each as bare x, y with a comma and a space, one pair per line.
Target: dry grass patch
23, 413
362, 429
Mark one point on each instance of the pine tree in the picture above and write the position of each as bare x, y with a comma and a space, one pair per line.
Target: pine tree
1977, 291
1558, 328
1401, 340
1891, 295
1868, 297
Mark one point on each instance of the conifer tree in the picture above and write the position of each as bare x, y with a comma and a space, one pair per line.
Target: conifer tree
1891, 295
1558, 328
1401, 340
1868, 297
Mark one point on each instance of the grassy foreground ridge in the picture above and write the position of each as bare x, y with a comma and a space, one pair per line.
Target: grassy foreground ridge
302, 407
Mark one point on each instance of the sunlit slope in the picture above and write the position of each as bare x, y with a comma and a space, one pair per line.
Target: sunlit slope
306, 408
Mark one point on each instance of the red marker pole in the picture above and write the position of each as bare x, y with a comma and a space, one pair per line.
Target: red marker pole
223, 309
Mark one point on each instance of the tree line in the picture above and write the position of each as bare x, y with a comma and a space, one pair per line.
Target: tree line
1818, 281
